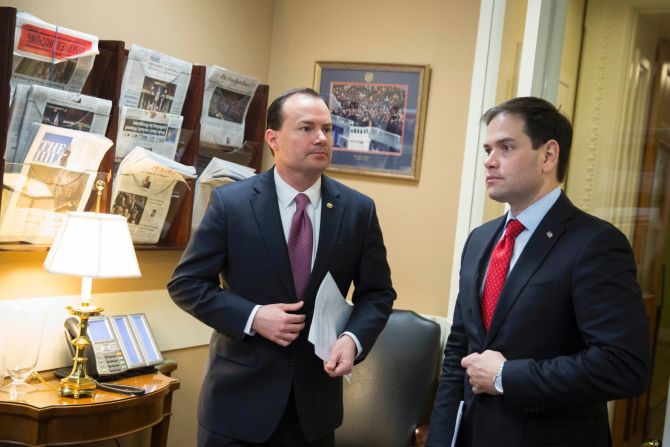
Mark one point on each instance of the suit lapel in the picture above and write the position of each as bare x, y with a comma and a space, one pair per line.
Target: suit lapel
332, 211
538, 247
266, 211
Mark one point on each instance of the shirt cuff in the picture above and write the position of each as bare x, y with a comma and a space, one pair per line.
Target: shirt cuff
359, 348
250, 320
497, 382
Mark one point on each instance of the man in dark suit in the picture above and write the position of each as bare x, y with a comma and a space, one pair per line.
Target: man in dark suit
549, 323
264, 385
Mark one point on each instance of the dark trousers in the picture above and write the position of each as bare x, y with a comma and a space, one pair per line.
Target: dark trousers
287, 434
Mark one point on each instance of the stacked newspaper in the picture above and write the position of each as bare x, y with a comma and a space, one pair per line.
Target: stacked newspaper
36, 105
154, 81
225, 105
143, 192
51, 55
57, 176
155, 131
152, 97
217, 173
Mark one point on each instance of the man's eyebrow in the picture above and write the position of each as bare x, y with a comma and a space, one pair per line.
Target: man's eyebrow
501, 140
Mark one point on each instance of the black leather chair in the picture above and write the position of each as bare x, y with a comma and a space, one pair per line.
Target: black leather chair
392, 391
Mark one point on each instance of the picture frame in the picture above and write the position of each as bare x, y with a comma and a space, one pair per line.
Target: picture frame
379, 113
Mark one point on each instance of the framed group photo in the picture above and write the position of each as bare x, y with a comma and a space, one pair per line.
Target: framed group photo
378, 113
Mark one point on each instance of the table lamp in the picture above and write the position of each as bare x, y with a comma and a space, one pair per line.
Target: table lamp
90, 245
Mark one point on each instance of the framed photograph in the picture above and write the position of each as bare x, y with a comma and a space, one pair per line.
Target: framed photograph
378, 112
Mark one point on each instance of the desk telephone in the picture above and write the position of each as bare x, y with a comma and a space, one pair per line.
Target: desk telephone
120, 345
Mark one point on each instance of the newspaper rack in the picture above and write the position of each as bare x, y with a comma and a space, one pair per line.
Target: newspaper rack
104, 81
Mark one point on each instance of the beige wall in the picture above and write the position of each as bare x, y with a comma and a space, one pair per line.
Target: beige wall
278, 42
418, 219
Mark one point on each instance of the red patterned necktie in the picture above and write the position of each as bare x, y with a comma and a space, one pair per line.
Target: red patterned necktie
498, 268
300, 242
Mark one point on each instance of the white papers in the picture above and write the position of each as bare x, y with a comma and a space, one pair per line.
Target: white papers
143, 191
227, 98
45, 105
58, 176
47, 54
457, 425
154, 131
331, 313
154, 81
217, 173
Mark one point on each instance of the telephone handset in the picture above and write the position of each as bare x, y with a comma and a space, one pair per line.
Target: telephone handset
120, 345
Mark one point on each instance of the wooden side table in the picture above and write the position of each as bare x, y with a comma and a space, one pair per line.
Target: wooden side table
43, 418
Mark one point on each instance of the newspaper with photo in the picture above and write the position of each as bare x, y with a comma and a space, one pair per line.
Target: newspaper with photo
142, 192
46, 54
154, 81
224, 107
157, 132
57, 176
45, 105
217, 173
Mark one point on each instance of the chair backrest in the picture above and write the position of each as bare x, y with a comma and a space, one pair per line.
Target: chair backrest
392, 390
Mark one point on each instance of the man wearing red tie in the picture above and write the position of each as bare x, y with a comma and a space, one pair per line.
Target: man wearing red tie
549, 323
273, 238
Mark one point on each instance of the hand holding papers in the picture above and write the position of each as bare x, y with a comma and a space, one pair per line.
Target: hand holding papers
331, 313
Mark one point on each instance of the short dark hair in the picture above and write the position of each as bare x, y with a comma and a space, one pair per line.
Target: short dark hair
275, 117
542, 122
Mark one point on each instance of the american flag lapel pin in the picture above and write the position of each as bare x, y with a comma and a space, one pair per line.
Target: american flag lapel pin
550, 234
329, 205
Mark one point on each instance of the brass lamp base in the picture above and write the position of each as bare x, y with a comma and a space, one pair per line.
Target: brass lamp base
78, 384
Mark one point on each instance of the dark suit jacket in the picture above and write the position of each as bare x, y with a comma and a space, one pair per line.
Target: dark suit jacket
248, 378
570, 321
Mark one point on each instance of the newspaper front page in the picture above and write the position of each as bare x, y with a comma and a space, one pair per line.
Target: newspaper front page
143, 191
154, 81
57, 176
51, 55
225, 105
217, 173
157, 132
46, 105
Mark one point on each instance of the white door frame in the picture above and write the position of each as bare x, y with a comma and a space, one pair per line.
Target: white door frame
539, 73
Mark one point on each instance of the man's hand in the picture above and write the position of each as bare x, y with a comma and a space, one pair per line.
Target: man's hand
342, 357
482, 369
274, 322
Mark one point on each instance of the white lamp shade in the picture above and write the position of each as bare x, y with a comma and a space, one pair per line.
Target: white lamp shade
93, 245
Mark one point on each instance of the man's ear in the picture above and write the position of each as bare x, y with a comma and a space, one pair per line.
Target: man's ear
271, 138
551, 151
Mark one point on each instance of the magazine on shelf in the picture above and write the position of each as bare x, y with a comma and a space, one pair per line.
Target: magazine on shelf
154, 81
47, 54
57, 176
143, 189
45, 105
217, 173
224, 108
157, 132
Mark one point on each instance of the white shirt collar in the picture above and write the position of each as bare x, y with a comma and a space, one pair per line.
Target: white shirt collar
286, 193
533, 215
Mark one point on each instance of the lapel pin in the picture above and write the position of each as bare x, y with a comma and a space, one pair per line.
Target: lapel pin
329, 205
550, 234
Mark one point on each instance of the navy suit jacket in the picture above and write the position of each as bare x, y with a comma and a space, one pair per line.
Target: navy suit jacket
569, 320
248, 378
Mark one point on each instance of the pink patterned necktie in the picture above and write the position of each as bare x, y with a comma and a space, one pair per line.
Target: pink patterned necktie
497, 272
300, 242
